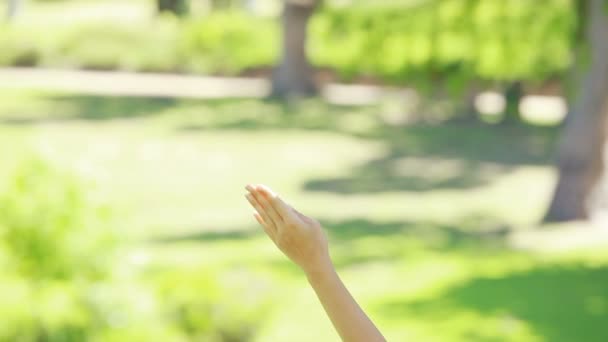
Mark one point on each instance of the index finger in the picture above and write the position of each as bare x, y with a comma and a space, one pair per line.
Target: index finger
277, 203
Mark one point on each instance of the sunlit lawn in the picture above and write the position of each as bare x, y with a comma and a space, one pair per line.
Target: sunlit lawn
417, 215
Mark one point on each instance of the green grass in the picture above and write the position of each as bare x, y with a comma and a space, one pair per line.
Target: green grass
417, 216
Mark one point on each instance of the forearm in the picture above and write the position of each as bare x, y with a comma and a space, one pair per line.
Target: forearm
346, 315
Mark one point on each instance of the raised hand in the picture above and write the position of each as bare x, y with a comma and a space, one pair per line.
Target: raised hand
298, 236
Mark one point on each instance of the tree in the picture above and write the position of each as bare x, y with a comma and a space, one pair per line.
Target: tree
581, 148
177, 7
294, 74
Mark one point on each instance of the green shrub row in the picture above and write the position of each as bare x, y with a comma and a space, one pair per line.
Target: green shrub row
483, 39
496, 40
224, 43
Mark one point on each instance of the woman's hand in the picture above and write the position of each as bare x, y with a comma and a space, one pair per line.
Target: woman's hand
299, 237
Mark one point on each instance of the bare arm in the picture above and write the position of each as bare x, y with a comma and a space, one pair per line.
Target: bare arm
302, 239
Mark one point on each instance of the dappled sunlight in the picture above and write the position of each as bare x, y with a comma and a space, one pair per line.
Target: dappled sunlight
168, 183
490, 103
442, 171
378, 170
562, 237
546, 110
352, 94
420, 144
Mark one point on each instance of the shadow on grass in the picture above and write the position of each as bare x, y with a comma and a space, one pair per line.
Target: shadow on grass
52, 108
359, 241
450, 156
210, 236
474, 230
566, 303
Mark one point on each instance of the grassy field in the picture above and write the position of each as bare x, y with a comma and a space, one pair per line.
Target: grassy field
418, 216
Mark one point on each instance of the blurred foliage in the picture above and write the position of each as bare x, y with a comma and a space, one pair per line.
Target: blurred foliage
20, 47
510, 39
208, 309
448, 41
50, 227
58, 277
65, 277
223, 43
228, 43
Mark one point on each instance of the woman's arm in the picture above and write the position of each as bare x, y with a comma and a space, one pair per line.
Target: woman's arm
302, 239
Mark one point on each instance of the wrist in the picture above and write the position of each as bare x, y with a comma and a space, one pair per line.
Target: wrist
320, 270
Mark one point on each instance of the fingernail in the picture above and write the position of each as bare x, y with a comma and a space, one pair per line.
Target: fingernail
248, 187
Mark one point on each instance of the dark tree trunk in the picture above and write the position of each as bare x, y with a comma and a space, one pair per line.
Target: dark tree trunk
177, 7
294, 75
513, 95
581, 150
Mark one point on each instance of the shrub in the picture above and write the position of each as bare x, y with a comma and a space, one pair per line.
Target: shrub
122, 47
50, 226
64, 276
215, 306
228, 43
18, 47
58, 280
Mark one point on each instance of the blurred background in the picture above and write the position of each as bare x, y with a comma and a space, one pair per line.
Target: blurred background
453, 150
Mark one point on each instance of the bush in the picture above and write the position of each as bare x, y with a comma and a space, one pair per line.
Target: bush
50, 227
58, 280
65, 276
225, 43
122, 47
228, 43
212, 306
18, 47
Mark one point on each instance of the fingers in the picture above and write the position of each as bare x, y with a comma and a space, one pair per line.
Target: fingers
268, 209
259, 219
277, 203
269, 231
262, 217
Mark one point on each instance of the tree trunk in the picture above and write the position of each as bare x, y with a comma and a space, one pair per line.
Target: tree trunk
581, 150
466, 110
177, 7
12, 8
513, 95
294, 75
